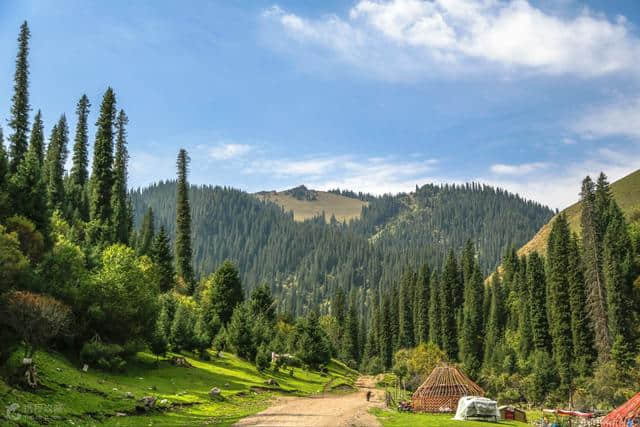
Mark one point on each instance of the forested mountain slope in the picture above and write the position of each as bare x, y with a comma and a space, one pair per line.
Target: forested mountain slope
303, 261
625, 191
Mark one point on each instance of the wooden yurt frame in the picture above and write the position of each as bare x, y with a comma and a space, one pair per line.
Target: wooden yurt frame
442, 389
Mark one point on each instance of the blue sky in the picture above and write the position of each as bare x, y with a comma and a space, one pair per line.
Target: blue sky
374, 96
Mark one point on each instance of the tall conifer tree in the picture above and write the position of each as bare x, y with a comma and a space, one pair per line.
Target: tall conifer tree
558, 289
435, 319
406, 338
37, 137
590, 222
19, 121
162, 256
146, 233
471, 335
79, 174
386, 338
537, 288
102, 167
421, 318
581, 331
495, 323
119, 197
449, 298
4, 179
184, 267
56, 159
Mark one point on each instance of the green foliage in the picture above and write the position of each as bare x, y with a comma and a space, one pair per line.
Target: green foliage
471, 340
54, 164
36, 139
262, 303
31, 240
536, 282
123, 296
450, 303
182, 333
146, 233
13, 263
406, 337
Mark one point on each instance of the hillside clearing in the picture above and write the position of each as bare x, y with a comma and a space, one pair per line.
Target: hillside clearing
343, 208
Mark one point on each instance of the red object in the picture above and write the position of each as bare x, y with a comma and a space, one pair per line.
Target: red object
620, 416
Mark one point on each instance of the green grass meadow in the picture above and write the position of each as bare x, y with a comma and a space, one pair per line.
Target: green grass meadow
392, 418
69, 396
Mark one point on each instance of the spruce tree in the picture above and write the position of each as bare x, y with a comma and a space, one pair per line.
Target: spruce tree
537, 288
338, 309
524, 310
471, 335
224, 293
4, 179
79, 174
120, 211
184, 267
19, 121
162, 256
30, 194
618, 259
435, 319
350, 336
102, 172
37, 137
146, 233
495, 323
581, 332
449, 298
386, 338
421, 317
406, 338
56, 159
590, 222
395, 317
558, 291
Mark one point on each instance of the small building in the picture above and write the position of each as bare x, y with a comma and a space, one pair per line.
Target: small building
442, 390
512, 413
620, 417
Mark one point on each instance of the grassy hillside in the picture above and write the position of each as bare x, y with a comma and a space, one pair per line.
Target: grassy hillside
343, 208
70, 397
626, 192
390, 418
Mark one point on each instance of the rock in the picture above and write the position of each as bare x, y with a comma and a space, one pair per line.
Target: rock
85, 368
58, 369
180, 361
148, 402
164, 402
120, 414
114, 389
272, 382
215, 392
129, 395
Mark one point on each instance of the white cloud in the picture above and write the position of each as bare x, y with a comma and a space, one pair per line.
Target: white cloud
398, 39
560, 187
519, 169
229, 151
618, 119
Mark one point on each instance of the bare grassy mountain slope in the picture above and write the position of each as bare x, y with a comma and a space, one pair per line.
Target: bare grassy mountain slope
626, 192
307, 204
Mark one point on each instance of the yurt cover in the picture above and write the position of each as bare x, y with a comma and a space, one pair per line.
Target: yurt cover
620, 416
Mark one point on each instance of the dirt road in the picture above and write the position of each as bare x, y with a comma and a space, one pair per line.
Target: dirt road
329, 410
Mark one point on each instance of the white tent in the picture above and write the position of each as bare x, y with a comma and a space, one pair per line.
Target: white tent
474, 407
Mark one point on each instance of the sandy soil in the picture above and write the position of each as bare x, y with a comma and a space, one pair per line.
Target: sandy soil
329, 410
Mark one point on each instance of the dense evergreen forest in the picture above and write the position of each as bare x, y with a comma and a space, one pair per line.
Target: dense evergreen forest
304, 263
212, 268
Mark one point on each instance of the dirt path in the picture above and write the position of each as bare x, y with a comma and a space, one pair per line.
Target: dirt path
329, 410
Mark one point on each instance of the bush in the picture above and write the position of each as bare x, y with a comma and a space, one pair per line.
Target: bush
108, 357
263, 358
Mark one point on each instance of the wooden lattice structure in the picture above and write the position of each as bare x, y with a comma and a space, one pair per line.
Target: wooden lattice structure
442, 389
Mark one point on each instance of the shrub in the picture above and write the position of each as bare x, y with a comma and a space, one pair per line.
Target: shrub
263, 358
35, 318
105, 356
